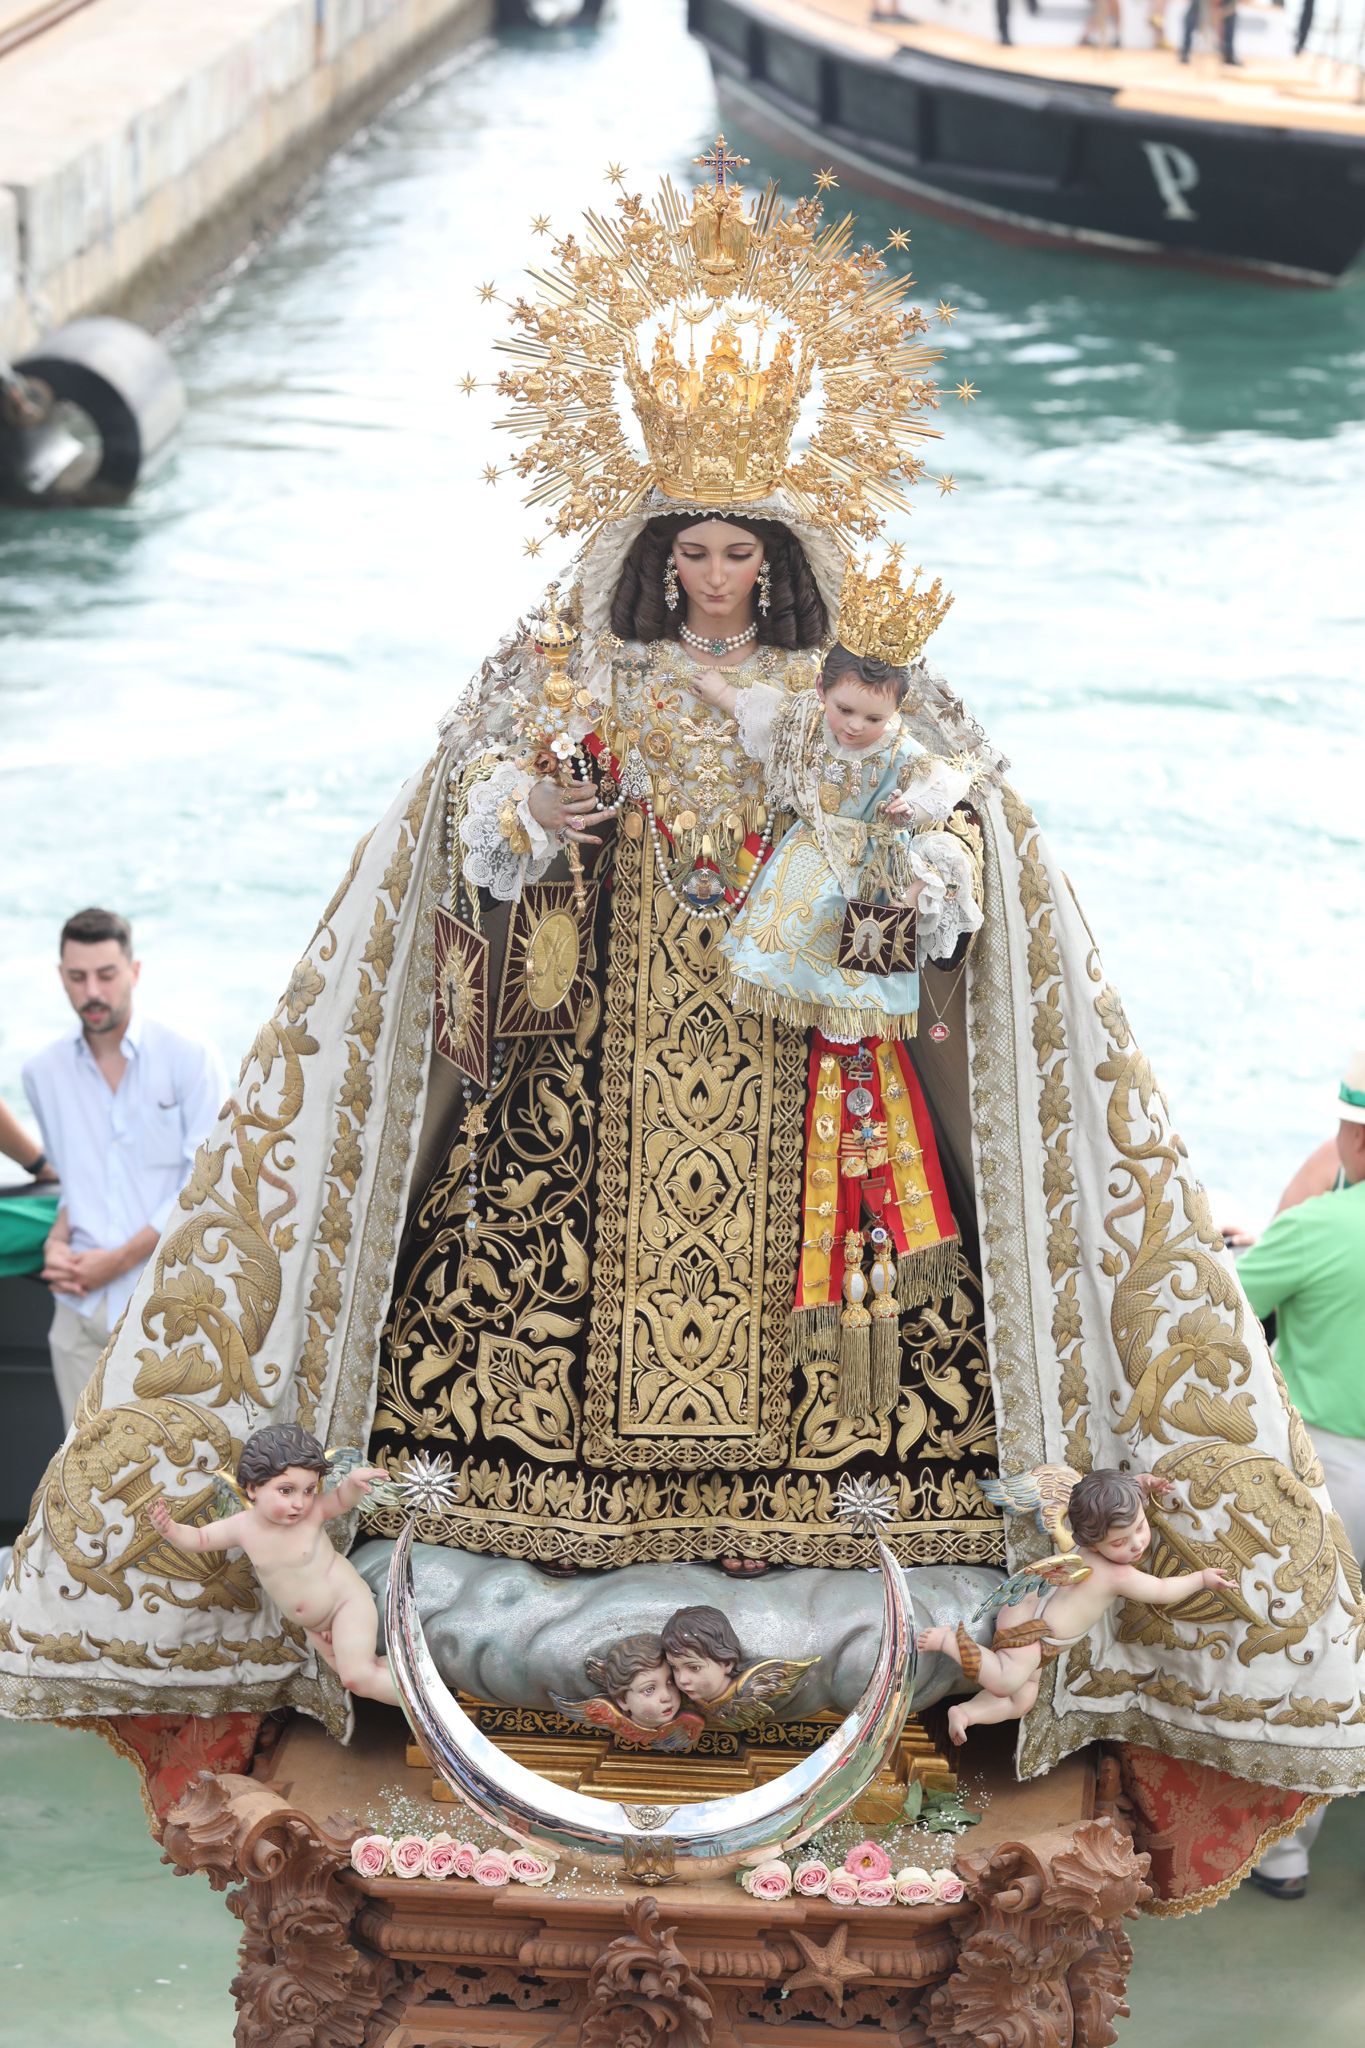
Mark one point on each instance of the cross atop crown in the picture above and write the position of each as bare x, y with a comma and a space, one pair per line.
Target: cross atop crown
720, 161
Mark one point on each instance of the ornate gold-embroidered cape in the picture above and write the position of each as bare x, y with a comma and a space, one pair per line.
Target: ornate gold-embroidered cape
1117, 1332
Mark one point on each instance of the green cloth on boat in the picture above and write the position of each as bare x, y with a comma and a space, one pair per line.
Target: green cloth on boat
25, 1221
1310, 1268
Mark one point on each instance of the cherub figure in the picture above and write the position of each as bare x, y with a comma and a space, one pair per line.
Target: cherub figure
1099, 1524
636, 1697
281, 1529
708, 1667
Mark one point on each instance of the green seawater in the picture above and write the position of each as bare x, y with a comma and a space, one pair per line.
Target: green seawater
207, 696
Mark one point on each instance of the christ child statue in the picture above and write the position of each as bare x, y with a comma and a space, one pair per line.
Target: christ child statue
282, 1529
870, 805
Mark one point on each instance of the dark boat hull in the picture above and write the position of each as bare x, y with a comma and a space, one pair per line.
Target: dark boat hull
1034, 160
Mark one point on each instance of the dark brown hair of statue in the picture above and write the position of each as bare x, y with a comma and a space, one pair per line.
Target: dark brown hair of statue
272, 1451
796, 615
1102, 1501
703, 1630
866, 669
618, 1667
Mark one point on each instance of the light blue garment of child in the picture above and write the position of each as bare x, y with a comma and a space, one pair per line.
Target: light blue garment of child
782, 947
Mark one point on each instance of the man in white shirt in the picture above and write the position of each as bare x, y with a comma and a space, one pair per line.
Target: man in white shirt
123, 1104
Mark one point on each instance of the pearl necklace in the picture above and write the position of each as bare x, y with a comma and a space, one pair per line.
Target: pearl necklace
718, 647
705, 913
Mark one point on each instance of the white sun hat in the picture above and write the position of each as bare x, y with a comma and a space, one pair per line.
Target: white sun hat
1351, 1101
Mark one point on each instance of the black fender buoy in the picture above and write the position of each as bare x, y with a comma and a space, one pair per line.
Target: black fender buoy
82, 415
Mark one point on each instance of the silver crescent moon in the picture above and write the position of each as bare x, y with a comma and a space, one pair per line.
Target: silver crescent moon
652, 1844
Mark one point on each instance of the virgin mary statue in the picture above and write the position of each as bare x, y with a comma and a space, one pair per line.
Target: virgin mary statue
516, 1184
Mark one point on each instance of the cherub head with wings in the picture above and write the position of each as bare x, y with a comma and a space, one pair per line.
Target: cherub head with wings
703, 1652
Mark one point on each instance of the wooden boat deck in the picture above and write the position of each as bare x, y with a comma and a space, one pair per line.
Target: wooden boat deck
1304, 93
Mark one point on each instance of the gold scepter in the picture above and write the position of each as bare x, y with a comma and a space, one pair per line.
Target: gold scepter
555, 637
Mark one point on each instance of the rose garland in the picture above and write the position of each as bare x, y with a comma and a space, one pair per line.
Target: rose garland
441, 1857
864, 1879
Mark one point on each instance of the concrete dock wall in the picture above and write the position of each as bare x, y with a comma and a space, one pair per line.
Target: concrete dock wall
132, 124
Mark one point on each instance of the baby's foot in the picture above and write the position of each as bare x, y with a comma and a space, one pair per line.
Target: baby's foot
959, 1721
937, 1638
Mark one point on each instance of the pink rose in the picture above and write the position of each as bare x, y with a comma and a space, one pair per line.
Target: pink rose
466, 1856
842, 1889
441, 1853
370, 1855
528, 1868
771, 1880
408, 1855
865, 1859
949, 1887
876, 1891
914, 1887
494, 1867
811, 1879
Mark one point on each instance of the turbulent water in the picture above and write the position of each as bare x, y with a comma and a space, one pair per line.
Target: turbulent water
207, 696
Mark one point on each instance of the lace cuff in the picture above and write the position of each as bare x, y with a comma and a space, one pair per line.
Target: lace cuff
947, 907
756, 711
933, 796
504, 845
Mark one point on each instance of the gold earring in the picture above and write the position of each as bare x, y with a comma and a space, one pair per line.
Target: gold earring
765, 587
671, 584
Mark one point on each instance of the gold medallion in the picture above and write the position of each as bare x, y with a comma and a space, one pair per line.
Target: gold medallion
551, 960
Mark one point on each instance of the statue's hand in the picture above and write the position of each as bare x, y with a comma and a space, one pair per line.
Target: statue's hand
567, 808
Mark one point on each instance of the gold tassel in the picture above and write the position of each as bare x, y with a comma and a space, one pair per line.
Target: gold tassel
886, 1324
854, 1398
928, 1274
886, 1354
815, 1334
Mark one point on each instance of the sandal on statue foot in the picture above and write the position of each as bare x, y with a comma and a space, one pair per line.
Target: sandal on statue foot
556, 1568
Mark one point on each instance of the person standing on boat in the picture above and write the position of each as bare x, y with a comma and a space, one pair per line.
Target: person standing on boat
1309, 1268
1103, 26
122, 1103
1222, 19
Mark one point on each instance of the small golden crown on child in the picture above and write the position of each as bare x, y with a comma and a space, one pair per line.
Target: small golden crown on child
880, 619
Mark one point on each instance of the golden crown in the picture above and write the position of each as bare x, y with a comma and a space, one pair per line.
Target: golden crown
880, 618
720, 318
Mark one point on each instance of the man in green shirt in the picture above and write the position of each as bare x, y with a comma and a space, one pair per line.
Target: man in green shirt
1309, 1268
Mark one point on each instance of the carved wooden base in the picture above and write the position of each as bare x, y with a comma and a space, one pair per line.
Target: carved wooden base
1034, 1957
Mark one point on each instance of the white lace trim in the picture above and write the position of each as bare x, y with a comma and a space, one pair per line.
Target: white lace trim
933, 796
947, 907
490, 861
756, 711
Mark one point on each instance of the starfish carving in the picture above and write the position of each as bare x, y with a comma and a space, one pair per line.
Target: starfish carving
829, 1969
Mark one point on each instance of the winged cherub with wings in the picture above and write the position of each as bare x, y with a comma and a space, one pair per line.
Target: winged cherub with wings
1099, 1525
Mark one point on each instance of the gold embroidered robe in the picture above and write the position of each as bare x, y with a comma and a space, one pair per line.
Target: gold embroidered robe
610, 1361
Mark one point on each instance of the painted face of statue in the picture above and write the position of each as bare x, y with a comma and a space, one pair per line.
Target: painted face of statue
1126, 1544
856, 715
701, 1677
287, 1497
718, 565
651, 1699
